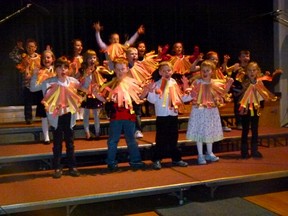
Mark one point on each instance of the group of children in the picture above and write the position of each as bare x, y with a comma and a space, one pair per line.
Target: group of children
128, 79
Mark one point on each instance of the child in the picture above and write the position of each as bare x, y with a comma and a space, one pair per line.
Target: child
166, 99
93, 101
122, 91
217, 74
30, 60
45, 72
76, 61
204, 124
253, 92
115, 49
61, 103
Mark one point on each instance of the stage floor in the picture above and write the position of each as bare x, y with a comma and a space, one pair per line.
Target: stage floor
38, 190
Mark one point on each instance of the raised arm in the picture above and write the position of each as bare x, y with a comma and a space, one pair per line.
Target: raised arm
99, 41
131, 41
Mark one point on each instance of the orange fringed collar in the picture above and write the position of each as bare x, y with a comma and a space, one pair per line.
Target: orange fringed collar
123, 92
208, 95
253, 95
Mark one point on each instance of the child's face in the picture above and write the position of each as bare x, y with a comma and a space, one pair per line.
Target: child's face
178, 49
206, 73
252, 72
114, 38
47, 59
31, 48
141, 48
214, 58
244, 59
62, 71
165, 72
77, 47
132, 56
92, 60
121, 70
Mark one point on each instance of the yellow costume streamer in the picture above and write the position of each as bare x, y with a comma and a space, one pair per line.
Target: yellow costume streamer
253, 95
123, 92
208, 95
62, 99
116, 50
181, 65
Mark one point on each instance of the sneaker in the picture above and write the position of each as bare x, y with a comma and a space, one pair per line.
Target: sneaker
180, 163
137, 165
211, 157
256, 154
201, 160
157, 165
226, 129
74, 172
46, 142
138, 134
57, 173
239, 127
112, 167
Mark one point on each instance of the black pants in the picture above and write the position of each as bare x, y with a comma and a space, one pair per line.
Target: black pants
63, 131
247, 121
166, 138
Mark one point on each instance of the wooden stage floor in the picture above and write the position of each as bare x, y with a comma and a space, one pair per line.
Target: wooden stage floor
38, 190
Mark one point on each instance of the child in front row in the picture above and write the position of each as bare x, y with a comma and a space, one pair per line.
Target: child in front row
204, 124
253, 92
166, 97
61, 103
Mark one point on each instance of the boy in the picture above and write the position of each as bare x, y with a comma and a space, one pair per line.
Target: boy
166, 99
124, 90
61, 103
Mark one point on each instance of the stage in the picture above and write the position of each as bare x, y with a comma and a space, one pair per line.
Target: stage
38, 190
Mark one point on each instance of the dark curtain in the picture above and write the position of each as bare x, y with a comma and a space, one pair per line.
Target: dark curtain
221, 25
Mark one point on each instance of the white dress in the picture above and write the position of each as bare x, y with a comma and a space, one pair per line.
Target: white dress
204, 124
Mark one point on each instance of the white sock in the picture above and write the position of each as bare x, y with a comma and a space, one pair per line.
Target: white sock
200, 148
209, 148
86, 115
45, 129
96, 121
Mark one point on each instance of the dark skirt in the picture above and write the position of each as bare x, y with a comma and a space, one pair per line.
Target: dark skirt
92, 103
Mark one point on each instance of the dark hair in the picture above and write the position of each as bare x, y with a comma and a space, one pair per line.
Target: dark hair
63, 60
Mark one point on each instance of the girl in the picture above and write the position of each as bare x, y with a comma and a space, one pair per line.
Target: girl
45, 72
92, 100
204, 124
253, 92
115, 49
76, 61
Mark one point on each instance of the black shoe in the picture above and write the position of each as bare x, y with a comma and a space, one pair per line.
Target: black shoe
57, 174
46, 142
74, 172
245, 156
137, 165
257, 154
29, 122
112, 167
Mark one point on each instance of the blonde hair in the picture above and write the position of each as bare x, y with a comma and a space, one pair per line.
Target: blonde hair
130, 49
208, 63
254, 64
165, 63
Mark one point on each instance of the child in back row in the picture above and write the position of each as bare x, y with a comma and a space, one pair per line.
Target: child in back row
43, 73
204, 124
